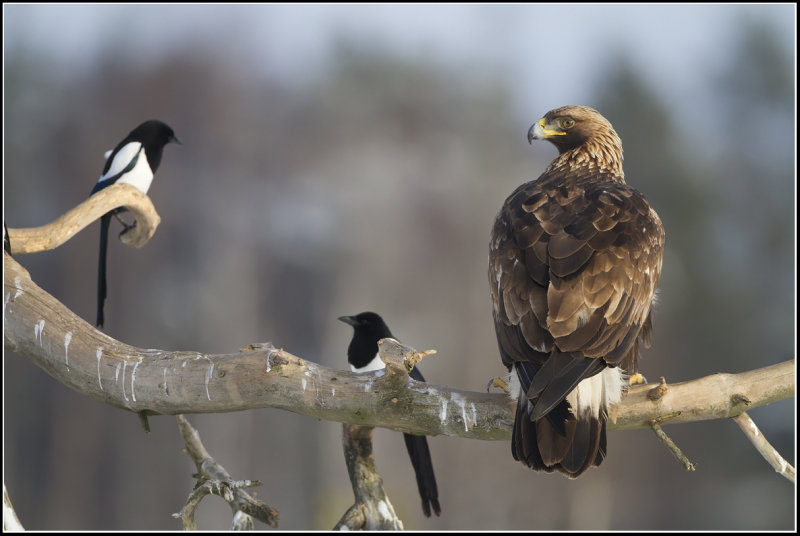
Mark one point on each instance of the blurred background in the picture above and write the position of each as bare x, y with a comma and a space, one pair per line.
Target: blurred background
338, 159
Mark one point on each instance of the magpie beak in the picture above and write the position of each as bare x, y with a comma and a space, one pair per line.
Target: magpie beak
362, 354
350, 320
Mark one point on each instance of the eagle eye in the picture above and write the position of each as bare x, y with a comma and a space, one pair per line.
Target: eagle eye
566, 122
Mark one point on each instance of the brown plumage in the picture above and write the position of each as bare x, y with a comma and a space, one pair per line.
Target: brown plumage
574, 261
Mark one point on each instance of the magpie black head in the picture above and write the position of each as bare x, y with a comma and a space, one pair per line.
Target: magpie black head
368, 328
153, 135
155, 129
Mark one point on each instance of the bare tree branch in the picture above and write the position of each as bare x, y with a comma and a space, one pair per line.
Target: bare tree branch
671, 446
52, 235
46, 332
769, 453
10, 520
372, 509
213, 479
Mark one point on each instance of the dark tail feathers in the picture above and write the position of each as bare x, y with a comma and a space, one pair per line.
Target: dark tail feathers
423, 466
558, 441
105, 222
423, 469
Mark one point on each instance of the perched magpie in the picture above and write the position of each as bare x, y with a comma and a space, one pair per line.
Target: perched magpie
133, 161
362, 354
6, 240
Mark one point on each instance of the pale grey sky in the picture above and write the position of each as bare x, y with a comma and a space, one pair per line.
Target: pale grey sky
674, 45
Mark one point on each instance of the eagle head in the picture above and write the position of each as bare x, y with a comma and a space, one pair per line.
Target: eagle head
580, 133
570, 126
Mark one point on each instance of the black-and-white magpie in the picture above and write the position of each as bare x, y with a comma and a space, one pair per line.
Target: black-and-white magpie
6, 240
362, 354
134, 161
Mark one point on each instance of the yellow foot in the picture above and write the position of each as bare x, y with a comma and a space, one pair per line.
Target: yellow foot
636, 378
499, 383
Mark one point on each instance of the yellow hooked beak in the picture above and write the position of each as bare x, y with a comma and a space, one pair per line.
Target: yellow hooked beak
540, 132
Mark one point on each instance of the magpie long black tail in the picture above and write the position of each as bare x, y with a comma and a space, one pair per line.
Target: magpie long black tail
105, 222
423, 466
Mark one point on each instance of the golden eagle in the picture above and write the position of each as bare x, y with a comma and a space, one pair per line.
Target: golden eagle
574, 261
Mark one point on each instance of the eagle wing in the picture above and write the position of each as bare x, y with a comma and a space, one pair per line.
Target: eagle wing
573, 267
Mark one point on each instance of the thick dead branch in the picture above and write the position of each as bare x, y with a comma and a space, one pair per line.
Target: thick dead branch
43, 330
372, 509
52, 235
213, 479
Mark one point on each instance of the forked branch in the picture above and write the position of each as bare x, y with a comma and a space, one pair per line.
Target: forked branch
213, 479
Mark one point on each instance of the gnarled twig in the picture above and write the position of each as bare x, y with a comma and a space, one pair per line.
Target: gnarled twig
52, 235
213, 479
769, 453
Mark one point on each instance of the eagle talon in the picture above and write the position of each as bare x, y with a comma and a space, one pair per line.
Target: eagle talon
636, 379
498, 382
